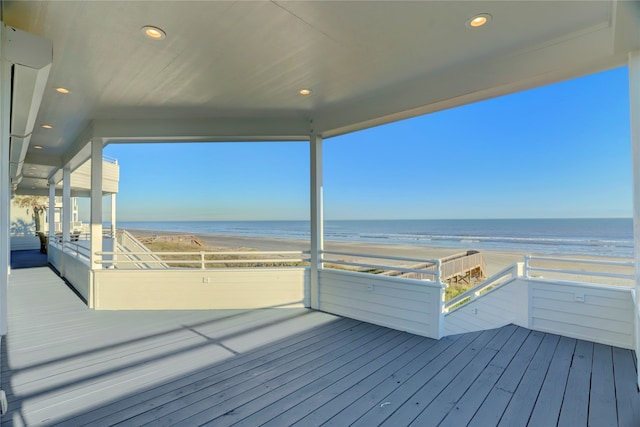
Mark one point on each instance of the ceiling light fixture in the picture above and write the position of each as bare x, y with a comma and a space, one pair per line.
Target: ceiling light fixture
304, 92
63, 90
478, 20
47, 126
153, 33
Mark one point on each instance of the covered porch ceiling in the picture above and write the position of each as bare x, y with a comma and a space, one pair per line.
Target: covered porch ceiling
232, 70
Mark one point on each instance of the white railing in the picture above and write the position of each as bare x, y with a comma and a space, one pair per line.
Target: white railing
528, 268
366, 267
108, 159
498, 279
203, 259
76, 248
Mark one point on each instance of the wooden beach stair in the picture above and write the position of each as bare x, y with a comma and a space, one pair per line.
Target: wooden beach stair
462, 267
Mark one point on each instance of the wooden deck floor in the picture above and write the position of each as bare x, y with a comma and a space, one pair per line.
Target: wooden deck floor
65, 364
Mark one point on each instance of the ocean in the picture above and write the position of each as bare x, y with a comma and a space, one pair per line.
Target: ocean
612, 237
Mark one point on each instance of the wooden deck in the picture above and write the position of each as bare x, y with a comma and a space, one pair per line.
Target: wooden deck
65, 364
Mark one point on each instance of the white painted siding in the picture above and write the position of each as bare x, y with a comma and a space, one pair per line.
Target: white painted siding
201, 289
407, 305
55, 257
603, 314
76, 271
496, 308
598, 313
20, 243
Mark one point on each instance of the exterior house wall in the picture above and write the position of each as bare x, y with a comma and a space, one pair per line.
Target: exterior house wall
24, 243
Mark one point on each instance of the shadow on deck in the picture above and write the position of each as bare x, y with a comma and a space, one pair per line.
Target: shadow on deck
65, 364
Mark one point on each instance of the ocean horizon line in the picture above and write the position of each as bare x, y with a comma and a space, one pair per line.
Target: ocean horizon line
377, 219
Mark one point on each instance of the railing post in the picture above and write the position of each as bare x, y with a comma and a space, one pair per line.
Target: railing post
525, 267
202, 266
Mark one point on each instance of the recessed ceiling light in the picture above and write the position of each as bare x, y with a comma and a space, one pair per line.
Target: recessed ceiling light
37, 147
47, 126
63, 90
304, 92
154, 33
478, 20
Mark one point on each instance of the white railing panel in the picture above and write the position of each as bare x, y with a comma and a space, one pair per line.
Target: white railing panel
404, 304
599, 313
195, 289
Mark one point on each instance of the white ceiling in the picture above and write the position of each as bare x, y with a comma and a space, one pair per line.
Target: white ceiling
231, 69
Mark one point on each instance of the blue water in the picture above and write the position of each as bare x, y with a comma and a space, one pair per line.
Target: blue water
601, 237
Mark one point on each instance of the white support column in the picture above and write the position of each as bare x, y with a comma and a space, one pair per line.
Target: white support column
67, 208
96, 201
634, 109
5, 182
113, 216
317, 218
51, 213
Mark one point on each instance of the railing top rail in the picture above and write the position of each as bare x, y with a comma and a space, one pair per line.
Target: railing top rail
395, 258
198, 253
200, 262
383, 267
584, 273
580, 260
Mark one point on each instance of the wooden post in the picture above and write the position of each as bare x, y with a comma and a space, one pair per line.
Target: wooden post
317, 220
634, 110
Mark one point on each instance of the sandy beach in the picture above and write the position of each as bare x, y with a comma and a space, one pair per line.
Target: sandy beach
495, 260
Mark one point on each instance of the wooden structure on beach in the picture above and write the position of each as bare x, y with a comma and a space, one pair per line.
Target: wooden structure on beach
186, 238
463, 267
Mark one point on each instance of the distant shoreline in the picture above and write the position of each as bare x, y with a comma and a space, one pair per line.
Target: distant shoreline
496, 260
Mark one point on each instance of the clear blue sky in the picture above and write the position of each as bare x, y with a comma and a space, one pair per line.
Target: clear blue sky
553, 152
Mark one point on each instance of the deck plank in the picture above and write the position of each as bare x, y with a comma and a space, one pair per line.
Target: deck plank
627, 396
602, 399
440, 406
575, 406
469, 361
491, 411
290, 408
316, 412
235, 389
466, 407
547, 407
525, 396
64, 364
275, 391
402, 395
351, 410
261, 360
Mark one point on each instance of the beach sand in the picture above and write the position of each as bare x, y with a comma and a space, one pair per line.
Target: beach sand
495, 260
